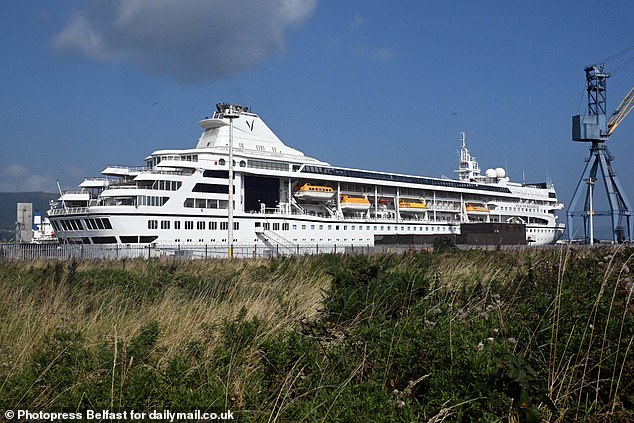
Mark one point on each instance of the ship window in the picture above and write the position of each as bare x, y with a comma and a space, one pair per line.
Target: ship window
276, 226
147, 239
151, 224
201, 203
106, 223
285, 226
330, 227
189, 224
236, 225
312, 227
165, 224
213, 188
104, 240
129, 239
294, 227
177, 224
303, 226
213, 225
221, 162
220, 174
200, 225
321, 227
224, 226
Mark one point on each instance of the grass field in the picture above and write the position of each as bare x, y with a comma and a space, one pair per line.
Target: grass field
513, 336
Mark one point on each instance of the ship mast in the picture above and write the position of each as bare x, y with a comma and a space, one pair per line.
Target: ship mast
468, 168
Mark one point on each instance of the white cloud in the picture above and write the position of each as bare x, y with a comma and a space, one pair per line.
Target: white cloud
189, 41
15, 171
16, 178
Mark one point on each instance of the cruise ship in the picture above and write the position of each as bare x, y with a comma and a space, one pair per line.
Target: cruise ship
241, 185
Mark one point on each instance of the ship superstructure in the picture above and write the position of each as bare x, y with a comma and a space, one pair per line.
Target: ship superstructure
283, 198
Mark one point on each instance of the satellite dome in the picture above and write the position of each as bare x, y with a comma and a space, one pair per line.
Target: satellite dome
500, 172
490, 173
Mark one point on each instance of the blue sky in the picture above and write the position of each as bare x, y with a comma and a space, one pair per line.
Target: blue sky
378, 85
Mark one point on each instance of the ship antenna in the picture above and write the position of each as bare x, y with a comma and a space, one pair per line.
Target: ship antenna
60, 194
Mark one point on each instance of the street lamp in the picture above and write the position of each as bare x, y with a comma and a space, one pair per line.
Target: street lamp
230, 112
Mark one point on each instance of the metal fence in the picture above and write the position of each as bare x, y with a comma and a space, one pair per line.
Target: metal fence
116, 252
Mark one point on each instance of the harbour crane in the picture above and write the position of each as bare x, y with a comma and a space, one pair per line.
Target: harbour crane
594, 127
626, 106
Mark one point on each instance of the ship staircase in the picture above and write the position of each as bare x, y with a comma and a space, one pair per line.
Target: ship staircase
275, 241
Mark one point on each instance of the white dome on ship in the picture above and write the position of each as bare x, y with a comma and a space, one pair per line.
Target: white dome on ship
500, 172
490, 173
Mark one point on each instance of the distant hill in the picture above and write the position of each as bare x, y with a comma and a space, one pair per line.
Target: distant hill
8, 207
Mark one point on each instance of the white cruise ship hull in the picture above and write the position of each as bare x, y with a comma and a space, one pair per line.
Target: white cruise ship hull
181, 197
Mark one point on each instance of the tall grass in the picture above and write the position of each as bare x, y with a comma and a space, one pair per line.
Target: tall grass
461, 336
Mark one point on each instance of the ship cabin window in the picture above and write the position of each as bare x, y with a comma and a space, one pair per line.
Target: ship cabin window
243, 163
276, 226
213, 188
213, 225
165, 224
177, 224
294, 227
225, 225
200, 225
312, 227
345, 227
267, 226
321, 227
222, 162
220, 174
152, 224
285, 226
189, 224
303, 227
330, 227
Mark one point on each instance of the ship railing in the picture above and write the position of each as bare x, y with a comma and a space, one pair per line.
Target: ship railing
128, 168
98, 179
75, 191
61, 211
187, 172
123, 185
